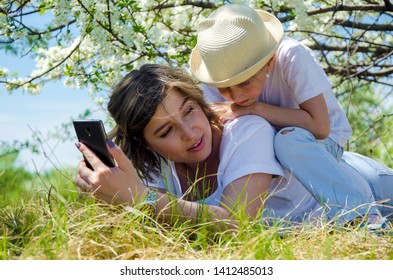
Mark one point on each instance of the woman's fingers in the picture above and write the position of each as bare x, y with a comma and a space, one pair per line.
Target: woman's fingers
82, 177
83, 186
90, 157
119, 184
122, 160
88, 180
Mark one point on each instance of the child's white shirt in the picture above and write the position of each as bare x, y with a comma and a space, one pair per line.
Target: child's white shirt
296, 77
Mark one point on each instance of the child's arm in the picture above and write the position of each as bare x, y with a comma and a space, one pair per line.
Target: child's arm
313, 115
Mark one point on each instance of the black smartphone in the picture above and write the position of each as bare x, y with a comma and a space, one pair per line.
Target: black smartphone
92, 134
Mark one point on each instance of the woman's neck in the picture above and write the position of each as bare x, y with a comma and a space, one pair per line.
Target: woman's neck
199, 180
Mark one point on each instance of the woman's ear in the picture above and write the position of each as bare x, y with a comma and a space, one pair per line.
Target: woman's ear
145, 143
147, 146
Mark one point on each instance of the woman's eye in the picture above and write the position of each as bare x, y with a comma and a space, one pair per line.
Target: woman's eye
190, 110
166, 132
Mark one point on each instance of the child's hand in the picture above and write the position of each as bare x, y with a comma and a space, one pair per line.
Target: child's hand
224, 110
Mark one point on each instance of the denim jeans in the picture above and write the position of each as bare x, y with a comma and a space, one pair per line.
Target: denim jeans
316, 164
378, 176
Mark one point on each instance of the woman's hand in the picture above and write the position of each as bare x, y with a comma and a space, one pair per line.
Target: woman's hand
115, 185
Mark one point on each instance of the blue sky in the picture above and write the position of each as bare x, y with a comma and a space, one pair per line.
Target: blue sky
20, 113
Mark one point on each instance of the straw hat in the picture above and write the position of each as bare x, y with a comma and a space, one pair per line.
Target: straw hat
234, 42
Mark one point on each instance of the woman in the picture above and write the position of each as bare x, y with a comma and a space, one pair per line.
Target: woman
185, 164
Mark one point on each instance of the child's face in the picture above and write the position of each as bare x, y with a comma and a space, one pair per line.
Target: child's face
179, 130
247, 92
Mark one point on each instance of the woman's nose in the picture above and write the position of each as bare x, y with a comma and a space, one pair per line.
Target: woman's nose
188, 132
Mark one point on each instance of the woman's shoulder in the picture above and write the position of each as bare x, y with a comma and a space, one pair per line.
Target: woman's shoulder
247, 128
246, 122
246, 148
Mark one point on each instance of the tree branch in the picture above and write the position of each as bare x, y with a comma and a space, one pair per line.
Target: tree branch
110, 31
364, 26
344, 8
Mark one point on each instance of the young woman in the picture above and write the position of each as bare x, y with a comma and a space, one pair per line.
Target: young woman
173, 156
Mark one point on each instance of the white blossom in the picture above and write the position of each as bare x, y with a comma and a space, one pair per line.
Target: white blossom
137, 37
3, 71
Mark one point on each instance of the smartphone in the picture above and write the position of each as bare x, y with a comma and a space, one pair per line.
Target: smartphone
92, 134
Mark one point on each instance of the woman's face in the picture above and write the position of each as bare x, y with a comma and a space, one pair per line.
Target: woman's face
179, 130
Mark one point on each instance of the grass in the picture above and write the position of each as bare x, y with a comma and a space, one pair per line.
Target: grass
43, 218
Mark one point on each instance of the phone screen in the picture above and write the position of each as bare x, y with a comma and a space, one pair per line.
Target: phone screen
92, 134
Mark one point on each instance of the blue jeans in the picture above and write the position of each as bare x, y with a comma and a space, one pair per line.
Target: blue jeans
315, 163
378, 176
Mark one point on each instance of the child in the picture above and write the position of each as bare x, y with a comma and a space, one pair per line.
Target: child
241, 56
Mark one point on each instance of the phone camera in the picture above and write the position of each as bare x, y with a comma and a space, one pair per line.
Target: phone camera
87, 129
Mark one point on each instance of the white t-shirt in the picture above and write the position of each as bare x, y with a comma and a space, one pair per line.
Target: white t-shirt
295, 78
287, 198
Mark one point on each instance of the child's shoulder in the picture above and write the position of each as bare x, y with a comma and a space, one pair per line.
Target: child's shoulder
290, 48
291, 45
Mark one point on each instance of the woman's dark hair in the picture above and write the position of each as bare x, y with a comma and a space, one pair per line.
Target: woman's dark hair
134, 101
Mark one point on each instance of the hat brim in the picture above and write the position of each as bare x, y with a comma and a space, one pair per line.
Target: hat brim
200, 71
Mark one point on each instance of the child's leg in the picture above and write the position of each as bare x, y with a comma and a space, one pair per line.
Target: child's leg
378, 176
320, 173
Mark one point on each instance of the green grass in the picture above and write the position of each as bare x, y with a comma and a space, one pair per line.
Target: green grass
43, 217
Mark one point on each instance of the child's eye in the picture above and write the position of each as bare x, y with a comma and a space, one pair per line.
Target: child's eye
244, 84
223, 90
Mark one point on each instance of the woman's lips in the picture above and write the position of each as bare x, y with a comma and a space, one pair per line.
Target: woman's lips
198, 146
